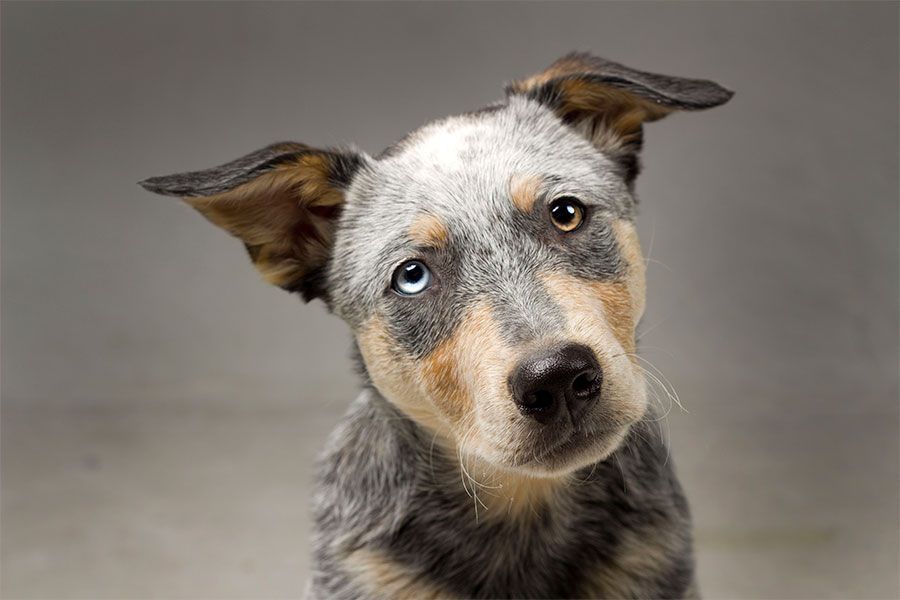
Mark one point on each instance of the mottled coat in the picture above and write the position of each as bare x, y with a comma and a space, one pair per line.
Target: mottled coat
393, 520
489, 268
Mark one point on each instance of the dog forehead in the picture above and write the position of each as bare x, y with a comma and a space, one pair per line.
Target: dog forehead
459, 171
522, 135
462, 166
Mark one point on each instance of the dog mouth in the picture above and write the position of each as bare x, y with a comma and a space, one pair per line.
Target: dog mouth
581, 444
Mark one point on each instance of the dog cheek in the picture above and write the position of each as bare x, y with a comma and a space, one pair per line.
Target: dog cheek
395, 374
465, 377
437, 390
636, 277
625, 393
616, 305
440, 374
618, 311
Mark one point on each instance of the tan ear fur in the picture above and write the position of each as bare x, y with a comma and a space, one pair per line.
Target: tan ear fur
284, 217
609, 103
282, 201
579, 94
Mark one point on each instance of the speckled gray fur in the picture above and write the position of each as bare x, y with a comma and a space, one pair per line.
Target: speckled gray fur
618, 527
382, 485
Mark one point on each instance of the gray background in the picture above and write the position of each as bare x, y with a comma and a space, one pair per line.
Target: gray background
162, 407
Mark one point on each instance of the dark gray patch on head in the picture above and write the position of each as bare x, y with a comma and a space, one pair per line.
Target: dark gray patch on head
467, 273
590, 252
420, 323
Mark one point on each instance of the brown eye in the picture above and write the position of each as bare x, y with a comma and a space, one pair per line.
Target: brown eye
567, 213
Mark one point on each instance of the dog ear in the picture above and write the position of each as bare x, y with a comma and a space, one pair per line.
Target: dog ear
608, 102
282, 201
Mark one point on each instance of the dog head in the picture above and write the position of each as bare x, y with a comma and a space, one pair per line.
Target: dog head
487, 263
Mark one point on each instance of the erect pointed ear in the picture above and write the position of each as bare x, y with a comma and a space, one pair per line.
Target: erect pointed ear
608, 102
282, 201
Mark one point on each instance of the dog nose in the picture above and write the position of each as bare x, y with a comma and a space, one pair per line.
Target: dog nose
567, 376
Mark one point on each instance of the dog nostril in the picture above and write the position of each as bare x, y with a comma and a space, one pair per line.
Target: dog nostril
585, 383
540, 400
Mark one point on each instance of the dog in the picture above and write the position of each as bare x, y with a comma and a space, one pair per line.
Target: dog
503, 445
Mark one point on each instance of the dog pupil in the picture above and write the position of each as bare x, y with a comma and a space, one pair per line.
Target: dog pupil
563, 212
413, 273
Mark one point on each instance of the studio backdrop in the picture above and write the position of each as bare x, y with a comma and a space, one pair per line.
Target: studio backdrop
162, 407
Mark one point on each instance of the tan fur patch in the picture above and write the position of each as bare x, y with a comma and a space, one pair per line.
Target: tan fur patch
619, 311
623, 301
381, 577
518, 496
609, 117
579, 296
440, 373
641, 554
630, 249
523, 191
582, 94
397, 377
621, 111
566, 66
284, 216
437, 390
428, 230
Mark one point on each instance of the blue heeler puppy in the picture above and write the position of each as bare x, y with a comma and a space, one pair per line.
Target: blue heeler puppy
489, 269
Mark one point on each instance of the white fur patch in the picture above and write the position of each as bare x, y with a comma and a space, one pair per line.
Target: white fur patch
444, 146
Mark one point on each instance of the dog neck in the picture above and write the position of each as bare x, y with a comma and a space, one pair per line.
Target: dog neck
385, 485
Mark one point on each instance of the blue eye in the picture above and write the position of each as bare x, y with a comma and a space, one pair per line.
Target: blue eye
411, 278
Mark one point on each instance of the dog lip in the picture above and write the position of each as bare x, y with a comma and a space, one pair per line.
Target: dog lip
571, 442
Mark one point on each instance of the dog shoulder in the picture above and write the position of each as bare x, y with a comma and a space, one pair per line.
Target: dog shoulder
366, 478
367, 471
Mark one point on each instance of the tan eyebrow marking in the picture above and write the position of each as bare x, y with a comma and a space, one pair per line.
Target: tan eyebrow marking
428, 230
523, 191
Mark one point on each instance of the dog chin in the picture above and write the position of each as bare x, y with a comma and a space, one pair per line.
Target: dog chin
580, 450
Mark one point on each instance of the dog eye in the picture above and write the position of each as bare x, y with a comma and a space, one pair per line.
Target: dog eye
411, 278
567, 213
